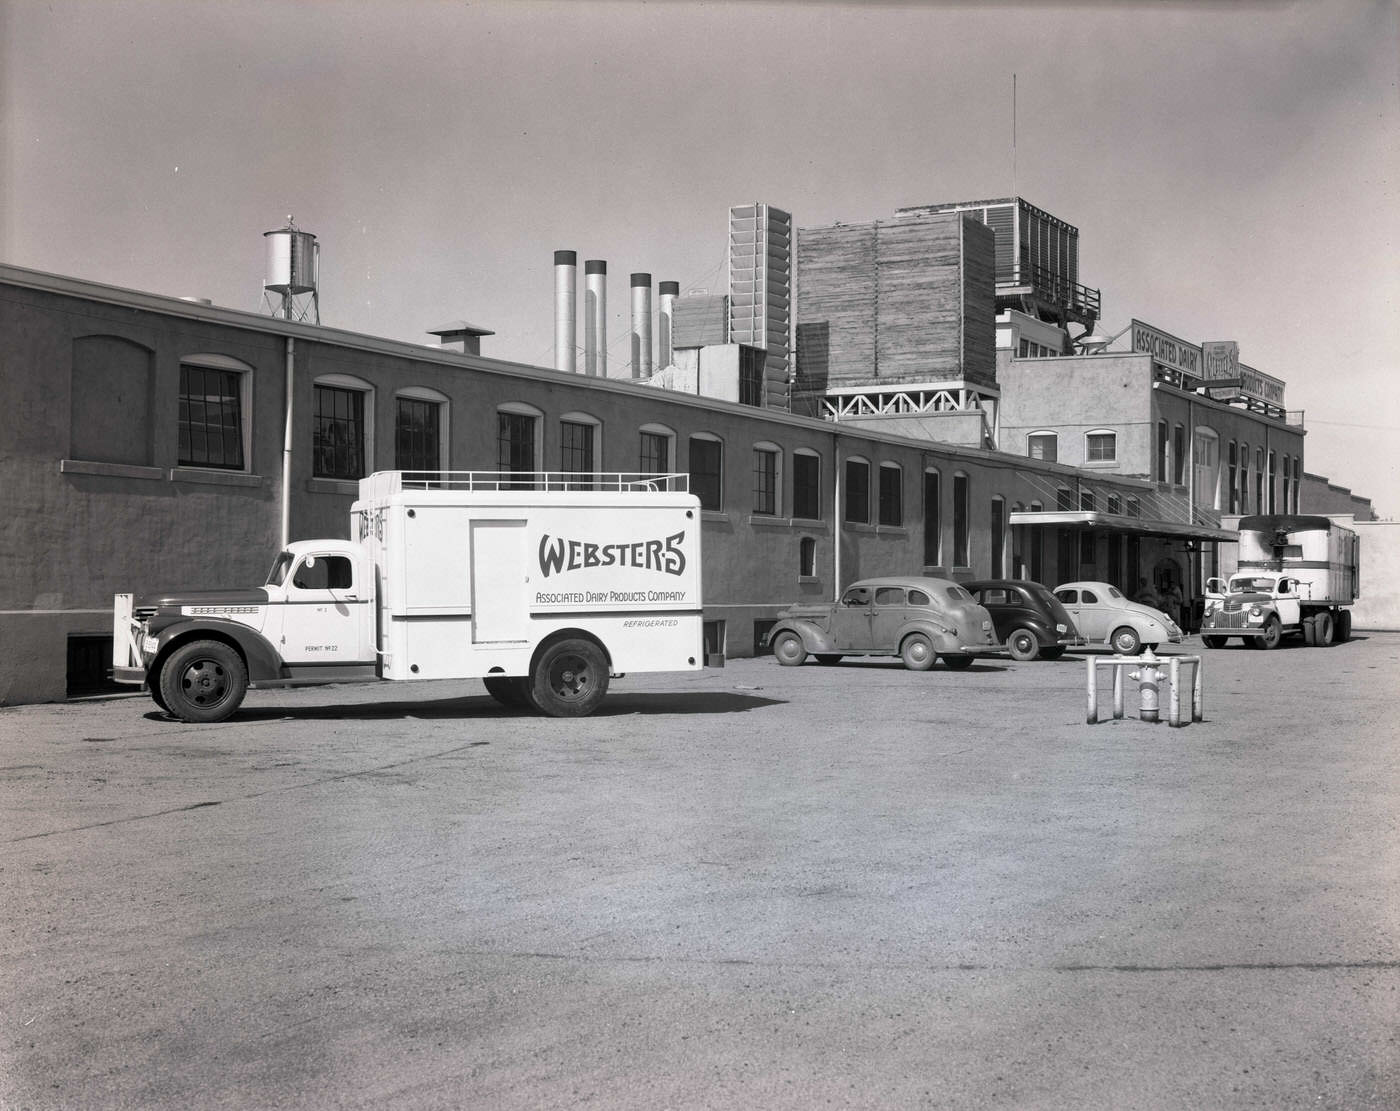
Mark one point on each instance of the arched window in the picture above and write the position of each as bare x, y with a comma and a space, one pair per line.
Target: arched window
767, 479
806, 484
657, 450
858, 490
216, 403
1101, 446
1161, 474
420, 429
998, 536
1179, 455
891, 508
707, 470
961, 520
933, 518
1043, 445
343, 427
580, 448
1206, 468
518, 446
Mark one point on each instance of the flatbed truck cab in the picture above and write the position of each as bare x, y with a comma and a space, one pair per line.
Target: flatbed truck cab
541, 584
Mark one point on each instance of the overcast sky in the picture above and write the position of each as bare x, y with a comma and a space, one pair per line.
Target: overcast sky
1232, 168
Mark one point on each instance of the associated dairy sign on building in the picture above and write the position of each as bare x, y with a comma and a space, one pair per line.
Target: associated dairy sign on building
1167, 349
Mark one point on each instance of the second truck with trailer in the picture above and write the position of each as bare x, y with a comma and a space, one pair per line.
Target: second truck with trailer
1297, 575
543, 585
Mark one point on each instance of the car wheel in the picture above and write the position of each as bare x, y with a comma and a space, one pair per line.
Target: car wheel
917, 652
1053, 652
203, 681
1125, 641
1214, 641
789, 649
957, 663
570, 679
828, 658
1273, 633
1022, 645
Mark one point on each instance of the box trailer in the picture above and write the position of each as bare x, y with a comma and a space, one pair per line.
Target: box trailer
1297, 575
543, 585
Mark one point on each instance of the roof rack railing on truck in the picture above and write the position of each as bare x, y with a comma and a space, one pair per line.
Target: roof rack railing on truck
390, 482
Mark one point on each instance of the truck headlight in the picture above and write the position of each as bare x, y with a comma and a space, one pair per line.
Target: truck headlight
1255, 611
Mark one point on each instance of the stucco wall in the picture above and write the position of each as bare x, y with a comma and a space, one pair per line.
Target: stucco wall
1379, 604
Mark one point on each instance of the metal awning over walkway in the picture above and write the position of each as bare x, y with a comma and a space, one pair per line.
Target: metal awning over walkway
1113, 522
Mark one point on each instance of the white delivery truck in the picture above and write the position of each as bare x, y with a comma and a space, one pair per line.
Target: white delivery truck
1297, 574
541, 584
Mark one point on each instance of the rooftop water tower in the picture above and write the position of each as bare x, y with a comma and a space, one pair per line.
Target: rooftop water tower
293, 265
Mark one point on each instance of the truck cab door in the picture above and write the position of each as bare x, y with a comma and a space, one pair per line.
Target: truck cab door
1289, 603
327, 616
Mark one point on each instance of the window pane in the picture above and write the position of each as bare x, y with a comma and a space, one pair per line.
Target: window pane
211, 418
891, 496
1044, 445
706, 477
857, 492
656, 453
933, 520
338, 448
416, 435
765, 482
515, 446
806, 487
1101, 447
960, 520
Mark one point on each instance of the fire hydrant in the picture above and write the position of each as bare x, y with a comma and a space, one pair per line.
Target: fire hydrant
1148, 676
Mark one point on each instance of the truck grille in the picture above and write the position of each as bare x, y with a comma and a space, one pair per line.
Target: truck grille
1224, 619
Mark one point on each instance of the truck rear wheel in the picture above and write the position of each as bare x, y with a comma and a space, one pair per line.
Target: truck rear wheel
1343, 626
570, 679
1323, 624
203, 681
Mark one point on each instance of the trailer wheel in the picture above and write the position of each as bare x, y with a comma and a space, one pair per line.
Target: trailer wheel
1323, 624
1125, 641
1309, 625
1273, 633
511, 691
1343, 633
789, 649
203, 681
917, 652
1022, 645
1214, 641
570, 679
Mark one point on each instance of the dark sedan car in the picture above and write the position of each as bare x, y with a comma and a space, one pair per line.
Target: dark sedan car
1027, 617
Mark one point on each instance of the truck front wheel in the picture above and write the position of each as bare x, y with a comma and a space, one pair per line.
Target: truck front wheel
203, 681
1272, 634
570, 679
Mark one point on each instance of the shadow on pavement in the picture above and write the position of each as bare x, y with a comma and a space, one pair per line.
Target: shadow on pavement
482, 706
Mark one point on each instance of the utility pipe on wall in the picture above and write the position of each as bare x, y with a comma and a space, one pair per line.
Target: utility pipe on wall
287, 449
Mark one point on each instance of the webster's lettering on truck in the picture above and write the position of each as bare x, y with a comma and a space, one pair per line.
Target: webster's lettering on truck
558, 555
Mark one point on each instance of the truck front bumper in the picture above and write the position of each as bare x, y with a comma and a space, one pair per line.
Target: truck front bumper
136, 676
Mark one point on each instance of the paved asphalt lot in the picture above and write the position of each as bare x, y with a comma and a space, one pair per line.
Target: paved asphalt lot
749, 887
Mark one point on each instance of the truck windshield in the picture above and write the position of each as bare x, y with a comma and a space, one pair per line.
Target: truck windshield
1252, 582
280, 566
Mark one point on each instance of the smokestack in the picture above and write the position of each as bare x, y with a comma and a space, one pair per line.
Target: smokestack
595, 318
641, 325
670, 291
565, 310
